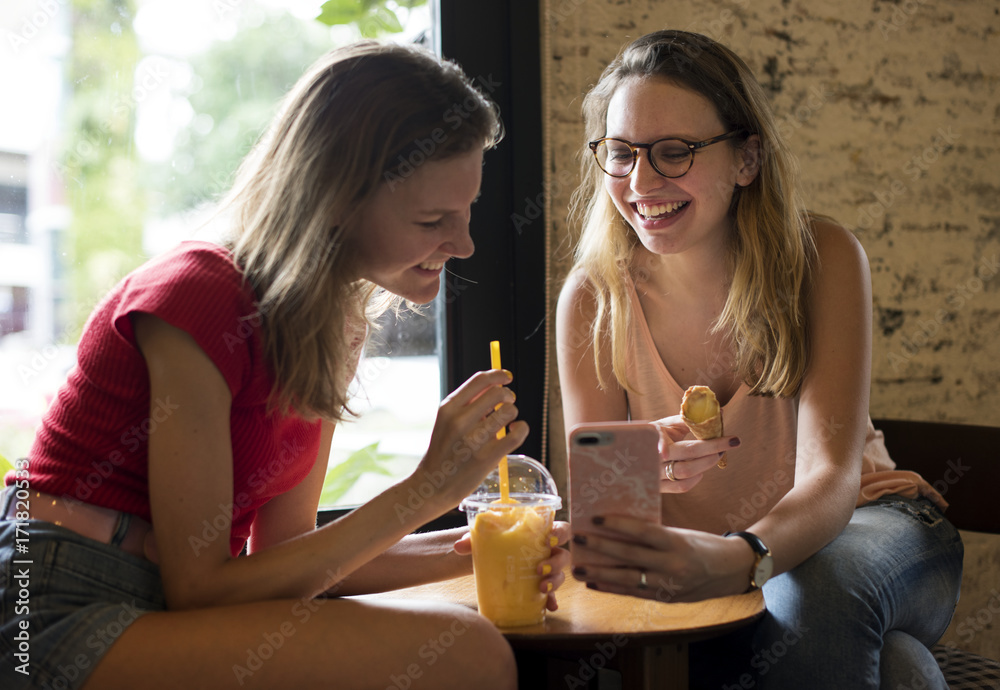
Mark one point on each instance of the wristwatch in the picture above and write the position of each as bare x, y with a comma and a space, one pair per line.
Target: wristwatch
763, 564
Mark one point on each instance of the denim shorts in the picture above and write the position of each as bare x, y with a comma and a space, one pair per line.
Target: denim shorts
64, 599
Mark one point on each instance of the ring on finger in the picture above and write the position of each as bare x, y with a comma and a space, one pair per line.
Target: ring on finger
670, 471
642, 580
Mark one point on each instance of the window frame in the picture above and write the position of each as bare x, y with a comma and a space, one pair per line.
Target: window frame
499, 292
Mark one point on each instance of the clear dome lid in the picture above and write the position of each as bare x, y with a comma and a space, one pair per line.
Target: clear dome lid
529, 483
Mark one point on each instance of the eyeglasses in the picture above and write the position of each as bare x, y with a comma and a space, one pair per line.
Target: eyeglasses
670, 157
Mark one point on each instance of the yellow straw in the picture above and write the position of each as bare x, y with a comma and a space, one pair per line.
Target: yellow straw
504, 479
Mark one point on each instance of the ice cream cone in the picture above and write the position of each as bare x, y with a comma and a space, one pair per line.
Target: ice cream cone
702, 414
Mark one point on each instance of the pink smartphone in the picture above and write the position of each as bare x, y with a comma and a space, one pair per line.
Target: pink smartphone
613, 470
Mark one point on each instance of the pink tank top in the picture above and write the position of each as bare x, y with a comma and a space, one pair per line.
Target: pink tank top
762, 469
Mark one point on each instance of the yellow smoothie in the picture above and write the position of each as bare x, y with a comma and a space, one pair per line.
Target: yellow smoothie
507, 545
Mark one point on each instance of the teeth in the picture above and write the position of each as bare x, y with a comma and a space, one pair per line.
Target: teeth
432, 265
655, 210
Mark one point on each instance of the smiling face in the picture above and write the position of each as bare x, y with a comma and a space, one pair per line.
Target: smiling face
410, 228
672, 215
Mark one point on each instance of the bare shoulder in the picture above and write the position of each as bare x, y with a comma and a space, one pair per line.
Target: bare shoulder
841, 282
576, 298
840, 258
838, 251
576, 288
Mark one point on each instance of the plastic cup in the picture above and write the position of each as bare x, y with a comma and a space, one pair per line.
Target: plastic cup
510, 539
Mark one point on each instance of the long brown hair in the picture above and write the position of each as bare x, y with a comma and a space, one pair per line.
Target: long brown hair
771, 251
362, 116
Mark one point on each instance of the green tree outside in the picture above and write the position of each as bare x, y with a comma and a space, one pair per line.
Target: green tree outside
236, 90
99, 163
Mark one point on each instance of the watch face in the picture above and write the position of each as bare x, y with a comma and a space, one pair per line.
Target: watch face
763, 571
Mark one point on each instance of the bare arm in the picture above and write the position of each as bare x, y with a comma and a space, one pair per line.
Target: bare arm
190, 474
582, 397
833, 406
415, 559
294, 512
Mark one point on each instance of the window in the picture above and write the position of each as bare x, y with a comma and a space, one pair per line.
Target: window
135, 114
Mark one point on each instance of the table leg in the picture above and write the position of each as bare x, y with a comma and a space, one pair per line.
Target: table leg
654, 667
642, 667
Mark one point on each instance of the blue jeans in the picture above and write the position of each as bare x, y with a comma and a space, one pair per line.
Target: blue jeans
860, 613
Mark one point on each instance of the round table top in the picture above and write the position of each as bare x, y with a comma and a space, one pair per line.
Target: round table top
585, 614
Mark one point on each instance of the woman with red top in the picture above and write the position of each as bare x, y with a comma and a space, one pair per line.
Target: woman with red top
199, 417
699, 265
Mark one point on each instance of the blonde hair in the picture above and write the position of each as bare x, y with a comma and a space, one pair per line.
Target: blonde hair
362, 116
771, 250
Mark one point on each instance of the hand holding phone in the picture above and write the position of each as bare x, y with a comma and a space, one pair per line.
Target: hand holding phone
613, 470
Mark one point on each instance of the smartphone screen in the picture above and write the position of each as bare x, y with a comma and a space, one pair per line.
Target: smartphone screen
613, 470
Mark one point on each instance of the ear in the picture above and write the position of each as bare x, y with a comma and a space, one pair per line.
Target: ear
748, 157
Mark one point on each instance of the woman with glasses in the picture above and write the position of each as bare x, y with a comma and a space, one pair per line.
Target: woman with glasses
699, 265
199, 421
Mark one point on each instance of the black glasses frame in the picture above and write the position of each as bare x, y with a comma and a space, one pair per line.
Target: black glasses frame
693, 147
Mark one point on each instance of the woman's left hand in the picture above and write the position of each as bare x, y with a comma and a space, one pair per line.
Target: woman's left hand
551, 569
679, 564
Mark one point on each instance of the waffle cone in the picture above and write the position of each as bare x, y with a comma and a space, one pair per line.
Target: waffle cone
703, 415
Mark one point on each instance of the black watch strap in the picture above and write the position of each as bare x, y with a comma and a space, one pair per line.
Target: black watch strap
753, 540
762, 566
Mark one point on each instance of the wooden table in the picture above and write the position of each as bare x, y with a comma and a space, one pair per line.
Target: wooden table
644, 640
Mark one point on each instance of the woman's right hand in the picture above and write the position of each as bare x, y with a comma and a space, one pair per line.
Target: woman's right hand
688, 460
464, 447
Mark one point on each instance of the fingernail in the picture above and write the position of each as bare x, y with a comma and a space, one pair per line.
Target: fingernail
597, 519
553, 541
548, 586
580, 539
546, 569
734, 442
515, 396
580, 571
510, 376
